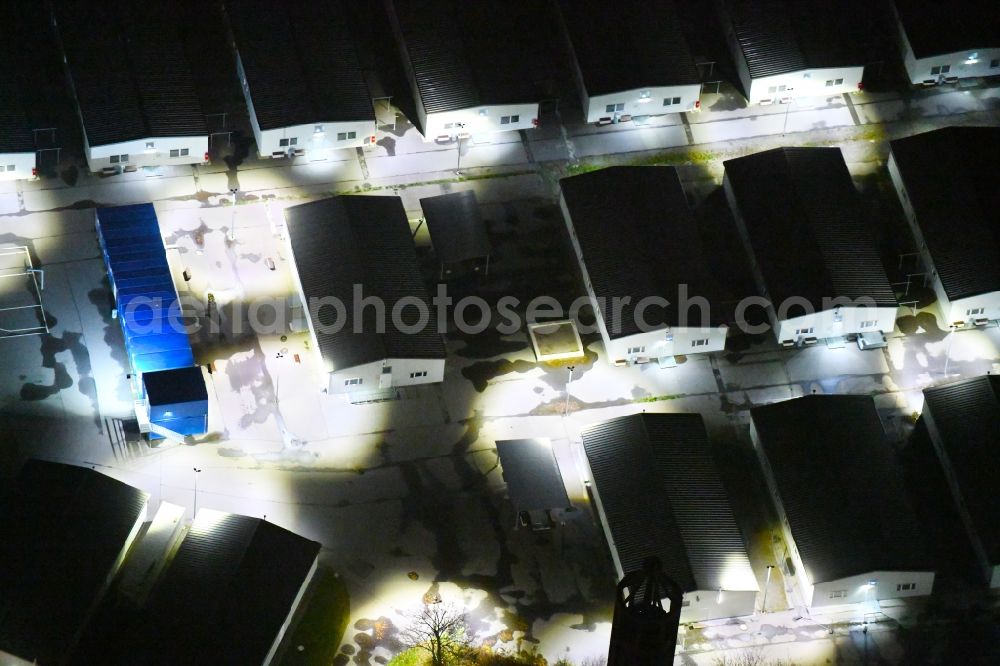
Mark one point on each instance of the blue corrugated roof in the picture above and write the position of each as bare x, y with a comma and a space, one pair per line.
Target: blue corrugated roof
143, 288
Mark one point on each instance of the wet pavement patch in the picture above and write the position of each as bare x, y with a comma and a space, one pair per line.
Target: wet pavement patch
481, 373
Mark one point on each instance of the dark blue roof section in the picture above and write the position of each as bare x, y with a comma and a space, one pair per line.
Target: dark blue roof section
361, 240
837, 478
956, 201
941, 28
462, 54
783, 36
62, 529
807, 228
628, 44
662, 496
175, 386
456, 226
966, 422
148, 309
639, 240
226, 594
127, 66
15, 133
300, 62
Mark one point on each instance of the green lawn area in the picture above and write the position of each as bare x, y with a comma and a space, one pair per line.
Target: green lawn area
322, 627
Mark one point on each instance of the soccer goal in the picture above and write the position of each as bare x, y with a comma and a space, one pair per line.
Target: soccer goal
21, 285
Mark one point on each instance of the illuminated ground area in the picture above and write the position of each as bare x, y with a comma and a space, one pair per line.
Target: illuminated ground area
406, 497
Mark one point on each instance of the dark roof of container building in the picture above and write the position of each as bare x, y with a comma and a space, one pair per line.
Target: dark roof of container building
226, 593
300, 62
176, 385
461, 52
534, 481
128, 69
455, 223
940, 28
622, 46
62, 529
840, 486
966, 416
662, 496
15, 133
348, 240
783, 36
639, 239
807, 228
956, 200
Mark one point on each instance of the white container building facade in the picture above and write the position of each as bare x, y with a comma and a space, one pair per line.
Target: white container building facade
942, 42
630, 59
784, 49
948, 181
301, 77
353, 250
658, 493
811, 247
850, 532
475, 68
132, 83
640, 257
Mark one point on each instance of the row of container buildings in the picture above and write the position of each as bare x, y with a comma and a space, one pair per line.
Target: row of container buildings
809, 240
472, 68
849, 532
806, 235
88, 576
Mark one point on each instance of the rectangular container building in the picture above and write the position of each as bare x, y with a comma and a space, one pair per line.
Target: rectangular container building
227, 596
946, 41
17, 142
356, 264
811, 247
785, 49
658, 493
132, 83
639, 252
963, 420
301, 78
850, 532
475, 68
174, 404
948, 181
630, 59
64, 534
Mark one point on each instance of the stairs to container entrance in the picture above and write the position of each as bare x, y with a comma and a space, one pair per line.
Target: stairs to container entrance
125, 437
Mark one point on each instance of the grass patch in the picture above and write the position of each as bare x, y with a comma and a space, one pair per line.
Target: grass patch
675, 158
412, 657
322, 626
658, 398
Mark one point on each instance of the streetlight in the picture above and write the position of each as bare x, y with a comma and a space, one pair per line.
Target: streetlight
458, 164
947, 351
767, 583
197, 471
232, 224
571, 368
788, 107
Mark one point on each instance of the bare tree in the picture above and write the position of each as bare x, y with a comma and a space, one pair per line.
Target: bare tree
440, 629
753, 656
